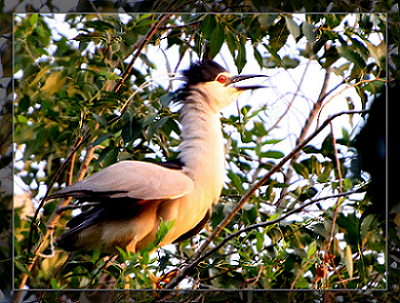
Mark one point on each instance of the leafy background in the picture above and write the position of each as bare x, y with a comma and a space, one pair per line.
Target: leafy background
77, 104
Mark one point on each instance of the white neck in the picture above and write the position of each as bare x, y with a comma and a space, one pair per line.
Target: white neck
202, 149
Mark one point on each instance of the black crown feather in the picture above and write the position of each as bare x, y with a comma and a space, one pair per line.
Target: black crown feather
202, 71
198, 72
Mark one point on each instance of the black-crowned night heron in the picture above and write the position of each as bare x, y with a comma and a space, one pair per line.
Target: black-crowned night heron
134, 196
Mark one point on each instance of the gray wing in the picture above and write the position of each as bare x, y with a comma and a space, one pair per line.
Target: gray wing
130, 179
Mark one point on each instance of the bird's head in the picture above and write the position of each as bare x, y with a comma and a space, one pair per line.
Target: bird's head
214, 83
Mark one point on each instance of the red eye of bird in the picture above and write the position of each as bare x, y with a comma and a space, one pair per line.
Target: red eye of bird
221, 79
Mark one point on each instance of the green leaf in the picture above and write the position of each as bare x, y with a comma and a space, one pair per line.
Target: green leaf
274, 60
309, 31
294, 29
148, 119
113, 76
236, 181
240, 59
250, 214
217, 39
166, 99
258, 57
20, 119
272, 141
352, 56
362, 269
325, 174
24, 103
89, 37
99, 25
260, 241
320, 229
347, 184
274, 154
154, 127
259, 129
232, 43
316, 166
378, 52
54, 283
208, 26
163, 229
289, 62
301, 169
39, 76
365, 227
278, 35
108, 156
100, 139
114, 270
267, 19
311, 250
100, 119
33, 19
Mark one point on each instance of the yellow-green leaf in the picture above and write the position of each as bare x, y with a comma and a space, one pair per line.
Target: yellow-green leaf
33, 19
348, 260
53, 83
312, 249
40, 75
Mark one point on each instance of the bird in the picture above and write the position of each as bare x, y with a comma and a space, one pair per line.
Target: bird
132, 198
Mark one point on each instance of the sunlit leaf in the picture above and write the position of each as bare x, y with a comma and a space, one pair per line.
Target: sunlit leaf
278, 35
301, 169
33, 19
348, 260
311, 250
294, 29
309, 31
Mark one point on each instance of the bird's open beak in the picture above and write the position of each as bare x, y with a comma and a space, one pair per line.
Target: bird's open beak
238, 78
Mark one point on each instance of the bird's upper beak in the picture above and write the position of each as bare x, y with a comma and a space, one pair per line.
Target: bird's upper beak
238, 78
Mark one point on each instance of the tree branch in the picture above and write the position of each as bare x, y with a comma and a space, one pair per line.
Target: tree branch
54, 217
163, 18
313, 113
199, 255
271, 222
71, 156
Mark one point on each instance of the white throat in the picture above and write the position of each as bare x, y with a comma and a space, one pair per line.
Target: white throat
202, 148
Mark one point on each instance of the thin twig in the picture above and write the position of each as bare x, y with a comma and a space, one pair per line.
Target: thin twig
71, 156
199, 255
253, 281
300, 271
271, 222
180, 26
328, 246
163, 18
340, 189
295, 94
344, 89
313, 113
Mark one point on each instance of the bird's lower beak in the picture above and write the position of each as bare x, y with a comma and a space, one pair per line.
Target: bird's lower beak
238, 78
